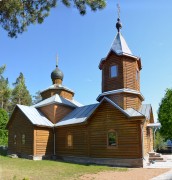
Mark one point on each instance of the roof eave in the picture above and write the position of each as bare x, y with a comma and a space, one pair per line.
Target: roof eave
74, 106
119, 91
120, 54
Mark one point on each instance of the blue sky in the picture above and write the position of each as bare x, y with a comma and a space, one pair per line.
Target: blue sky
81, 42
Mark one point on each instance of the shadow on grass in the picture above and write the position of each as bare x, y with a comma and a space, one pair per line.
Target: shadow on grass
88, 164
3, 150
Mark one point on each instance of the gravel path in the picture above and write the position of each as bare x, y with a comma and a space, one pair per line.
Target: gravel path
131, 174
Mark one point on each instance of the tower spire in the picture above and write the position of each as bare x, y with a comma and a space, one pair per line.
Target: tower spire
57, 74
118, 7
118, 24
56, 60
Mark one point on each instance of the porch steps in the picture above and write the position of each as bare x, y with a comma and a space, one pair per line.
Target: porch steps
153, 156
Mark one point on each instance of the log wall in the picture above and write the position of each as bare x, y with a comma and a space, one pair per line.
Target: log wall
128, 134
43, 141
148, 138
79, 138
127, 72
91, 140
126, 100
62, 92
18, 126
55, 112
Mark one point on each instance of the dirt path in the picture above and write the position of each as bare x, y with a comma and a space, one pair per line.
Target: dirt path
131, 174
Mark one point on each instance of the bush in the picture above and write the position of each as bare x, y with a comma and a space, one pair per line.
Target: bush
160, 143
3, 123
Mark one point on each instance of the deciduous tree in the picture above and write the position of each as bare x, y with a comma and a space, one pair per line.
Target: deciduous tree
3, 123
165, 115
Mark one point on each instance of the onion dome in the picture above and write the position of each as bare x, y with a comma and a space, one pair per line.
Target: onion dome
118, 25
57, 74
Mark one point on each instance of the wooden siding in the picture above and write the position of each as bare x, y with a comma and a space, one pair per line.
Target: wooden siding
127, 68
43, 141
126, 100
51, 92
128, 131
55, 112
48, 111
130, 67
118, 99
91, 139
147, 138
61, 111
132, 101
79, 137
109, 83
20, 125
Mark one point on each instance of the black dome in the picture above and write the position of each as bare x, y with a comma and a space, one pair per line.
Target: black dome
118, 25
57, 74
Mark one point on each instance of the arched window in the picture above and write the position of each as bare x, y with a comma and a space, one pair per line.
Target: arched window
23, 139
15, 139
112, 138
69, 140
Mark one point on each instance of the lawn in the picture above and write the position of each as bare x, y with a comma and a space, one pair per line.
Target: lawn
19, 169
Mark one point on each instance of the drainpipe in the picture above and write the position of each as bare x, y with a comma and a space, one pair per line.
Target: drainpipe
142, 134
54, 153
154, 131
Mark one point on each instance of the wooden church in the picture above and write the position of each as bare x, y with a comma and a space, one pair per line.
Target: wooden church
114, 131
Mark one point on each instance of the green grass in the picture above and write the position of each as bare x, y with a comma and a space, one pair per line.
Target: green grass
23, 169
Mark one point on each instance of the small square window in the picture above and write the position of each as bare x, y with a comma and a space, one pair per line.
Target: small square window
113, 71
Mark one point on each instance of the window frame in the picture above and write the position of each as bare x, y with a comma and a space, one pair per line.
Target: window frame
116, 137
111, 71
69, 145
137, 75
23, 139
15, 139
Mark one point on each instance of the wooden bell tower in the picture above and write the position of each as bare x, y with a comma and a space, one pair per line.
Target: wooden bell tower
121, 74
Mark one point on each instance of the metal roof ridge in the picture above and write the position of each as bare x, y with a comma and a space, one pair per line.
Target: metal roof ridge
119, 91
95, 105
60, 87
115, 105
50, 124
119, 45
136, 111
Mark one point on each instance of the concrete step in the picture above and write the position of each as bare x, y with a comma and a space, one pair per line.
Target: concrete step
152, 153
161, 161
155, 158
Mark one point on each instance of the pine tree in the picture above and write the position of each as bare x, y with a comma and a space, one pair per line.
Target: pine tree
20, 94
5, 91
37, 98
16, 15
